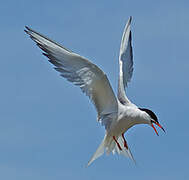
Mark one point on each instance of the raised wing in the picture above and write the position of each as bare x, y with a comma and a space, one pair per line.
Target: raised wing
78, 70
125, 63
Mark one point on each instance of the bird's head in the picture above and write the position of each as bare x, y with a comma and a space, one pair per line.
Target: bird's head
153, 119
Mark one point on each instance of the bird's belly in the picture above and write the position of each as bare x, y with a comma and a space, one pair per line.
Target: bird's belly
121, 126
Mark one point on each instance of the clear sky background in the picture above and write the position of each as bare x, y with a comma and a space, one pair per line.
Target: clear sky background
48, 128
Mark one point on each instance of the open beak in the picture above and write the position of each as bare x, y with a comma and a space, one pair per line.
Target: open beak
157, 125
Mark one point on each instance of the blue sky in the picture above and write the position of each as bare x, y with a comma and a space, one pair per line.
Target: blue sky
48, 127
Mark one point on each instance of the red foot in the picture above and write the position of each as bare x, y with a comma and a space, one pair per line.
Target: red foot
125, 142
117, 143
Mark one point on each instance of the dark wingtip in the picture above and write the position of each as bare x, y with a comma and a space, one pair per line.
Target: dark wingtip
27, 29
130, 19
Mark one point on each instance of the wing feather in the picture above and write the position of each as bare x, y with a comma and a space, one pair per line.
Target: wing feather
81, 72
125, 63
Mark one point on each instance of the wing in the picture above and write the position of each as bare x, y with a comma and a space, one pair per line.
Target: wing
125, 63
78, 70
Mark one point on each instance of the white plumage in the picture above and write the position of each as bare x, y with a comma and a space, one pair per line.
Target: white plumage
116, 114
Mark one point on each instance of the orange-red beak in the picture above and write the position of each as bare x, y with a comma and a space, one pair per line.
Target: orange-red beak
157, 125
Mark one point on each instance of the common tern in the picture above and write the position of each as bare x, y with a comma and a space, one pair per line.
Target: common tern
117, 114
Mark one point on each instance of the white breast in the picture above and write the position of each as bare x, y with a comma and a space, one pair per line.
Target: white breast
128, 116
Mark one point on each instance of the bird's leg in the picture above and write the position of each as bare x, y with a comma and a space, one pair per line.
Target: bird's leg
125, 142
117, 143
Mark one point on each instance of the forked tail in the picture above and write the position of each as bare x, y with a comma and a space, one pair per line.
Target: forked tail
109, 145
99, 152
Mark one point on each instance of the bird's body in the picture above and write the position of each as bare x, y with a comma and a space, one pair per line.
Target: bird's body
117, 114
128, 116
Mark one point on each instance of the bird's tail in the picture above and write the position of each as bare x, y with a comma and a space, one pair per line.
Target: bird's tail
109, 145
124, 151
99, 152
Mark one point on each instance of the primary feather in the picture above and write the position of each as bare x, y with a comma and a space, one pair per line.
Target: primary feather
81, 72
125, 63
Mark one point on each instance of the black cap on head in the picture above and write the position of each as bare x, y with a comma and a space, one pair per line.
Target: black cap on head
150, 113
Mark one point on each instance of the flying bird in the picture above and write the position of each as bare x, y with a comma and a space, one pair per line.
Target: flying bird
117, 114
